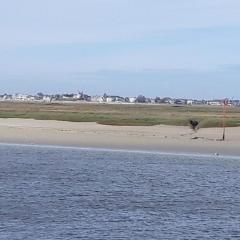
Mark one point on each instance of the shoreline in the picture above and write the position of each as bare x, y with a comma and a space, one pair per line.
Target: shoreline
160, 138
187, 154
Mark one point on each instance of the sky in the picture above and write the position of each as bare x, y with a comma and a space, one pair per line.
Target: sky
177, 48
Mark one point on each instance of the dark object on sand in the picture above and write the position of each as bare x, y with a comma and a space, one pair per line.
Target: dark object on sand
193, 124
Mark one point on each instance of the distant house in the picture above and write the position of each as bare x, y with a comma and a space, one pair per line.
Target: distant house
47, 99
149, 100
199, 102
215, 103
77, 96
180, 101
6, 97
110, 99
81, 96
132, 99
189, 102
22, 97
152, 100
31, 98
167, 100
67, 96
97, 99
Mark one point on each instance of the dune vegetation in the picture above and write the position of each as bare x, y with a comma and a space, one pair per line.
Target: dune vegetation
122, 114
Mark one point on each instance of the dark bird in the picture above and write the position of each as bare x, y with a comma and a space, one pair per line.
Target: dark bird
193, 124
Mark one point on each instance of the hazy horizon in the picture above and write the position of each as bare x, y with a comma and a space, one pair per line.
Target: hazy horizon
187, 49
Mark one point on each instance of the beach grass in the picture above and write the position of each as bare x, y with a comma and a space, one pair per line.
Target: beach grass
122, 114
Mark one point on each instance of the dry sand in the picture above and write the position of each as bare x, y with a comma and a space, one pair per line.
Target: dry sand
162, 138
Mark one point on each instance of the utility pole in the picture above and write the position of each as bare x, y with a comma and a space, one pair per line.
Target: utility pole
225, 104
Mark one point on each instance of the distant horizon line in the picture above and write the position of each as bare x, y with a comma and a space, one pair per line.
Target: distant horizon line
119, 95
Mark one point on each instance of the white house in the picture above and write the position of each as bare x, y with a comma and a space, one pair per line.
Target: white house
215, 103
97, 99
77, 96
189, 102
47, 99
20, 97
109, 99
132, 99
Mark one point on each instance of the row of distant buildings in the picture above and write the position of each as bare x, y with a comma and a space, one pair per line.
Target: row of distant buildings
105, 98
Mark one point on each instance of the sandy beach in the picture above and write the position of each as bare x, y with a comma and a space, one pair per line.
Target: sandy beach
173, 139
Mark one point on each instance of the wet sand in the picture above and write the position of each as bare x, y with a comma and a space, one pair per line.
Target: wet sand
171, 139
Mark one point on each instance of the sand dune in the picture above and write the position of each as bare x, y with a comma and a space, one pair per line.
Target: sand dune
155, 138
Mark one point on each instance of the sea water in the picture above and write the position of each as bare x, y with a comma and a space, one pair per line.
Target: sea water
67, 193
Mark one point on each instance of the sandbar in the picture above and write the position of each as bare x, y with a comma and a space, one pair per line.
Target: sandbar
161, 138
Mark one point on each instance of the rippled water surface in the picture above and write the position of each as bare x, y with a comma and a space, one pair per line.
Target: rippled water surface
54, 193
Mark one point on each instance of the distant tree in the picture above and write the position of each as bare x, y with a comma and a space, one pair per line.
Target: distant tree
40, 95
157, 100
127, 99
58, 96
141, 99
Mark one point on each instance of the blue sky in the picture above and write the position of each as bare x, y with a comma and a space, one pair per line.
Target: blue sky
186, 48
